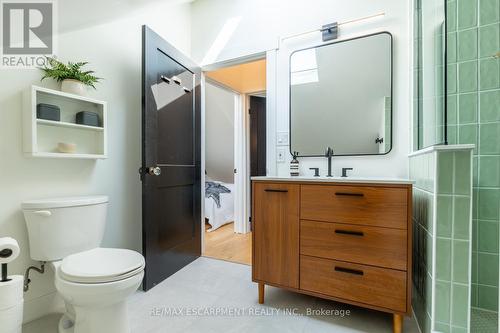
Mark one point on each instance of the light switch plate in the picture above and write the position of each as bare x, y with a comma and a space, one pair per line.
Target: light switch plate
282, 138
280, 154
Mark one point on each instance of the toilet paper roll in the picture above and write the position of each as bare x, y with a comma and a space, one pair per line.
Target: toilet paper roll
11, 292
11, 304
9, 250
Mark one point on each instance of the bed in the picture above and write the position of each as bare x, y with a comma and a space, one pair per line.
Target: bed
218, 216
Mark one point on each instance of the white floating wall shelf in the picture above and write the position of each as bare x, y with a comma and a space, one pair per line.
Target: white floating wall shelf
41, 136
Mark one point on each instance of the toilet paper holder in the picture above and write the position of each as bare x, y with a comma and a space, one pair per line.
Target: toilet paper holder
9, 250
5, 253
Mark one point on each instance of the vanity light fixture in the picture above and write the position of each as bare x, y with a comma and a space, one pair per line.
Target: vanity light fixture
330, 31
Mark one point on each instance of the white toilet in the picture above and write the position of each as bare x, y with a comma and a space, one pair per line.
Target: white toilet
94, 282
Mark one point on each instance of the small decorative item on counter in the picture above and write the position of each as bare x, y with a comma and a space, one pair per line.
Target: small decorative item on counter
87, 118
73, 78
64, 147
48, 112
294, 164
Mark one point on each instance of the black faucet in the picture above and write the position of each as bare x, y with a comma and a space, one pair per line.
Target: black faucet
329, 154
316, 171
344, 171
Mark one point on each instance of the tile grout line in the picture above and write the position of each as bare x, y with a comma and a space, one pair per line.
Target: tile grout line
478, 159
435, 154
469, 270
452, 243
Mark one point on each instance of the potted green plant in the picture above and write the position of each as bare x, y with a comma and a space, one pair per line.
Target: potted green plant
72, 77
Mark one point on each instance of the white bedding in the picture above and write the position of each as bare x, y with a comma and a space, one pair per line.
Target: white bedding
217, 217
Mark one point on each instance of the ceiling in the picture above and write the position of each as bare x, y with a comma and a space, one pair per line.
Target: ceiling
78, 14
245, 78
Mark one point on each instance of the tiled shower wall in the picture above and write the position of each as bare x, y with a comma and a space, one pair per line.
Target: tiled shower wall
422, 171
441, 238
473, 100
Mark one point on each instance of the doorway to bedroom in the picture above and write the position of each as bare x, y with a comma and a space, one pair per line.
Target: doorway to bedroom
235, 150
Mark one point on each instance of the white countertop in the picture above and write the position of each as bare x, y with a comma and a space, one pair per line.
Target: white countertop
369, 180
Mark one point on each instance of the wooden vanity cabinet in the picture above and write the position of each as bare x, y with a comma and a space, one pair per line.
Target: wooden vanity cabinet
276, 236
349, 242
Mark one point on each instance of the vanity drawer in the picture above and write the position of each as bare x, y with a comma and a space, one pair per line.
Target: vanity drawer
374, 286
354, 243
365, 205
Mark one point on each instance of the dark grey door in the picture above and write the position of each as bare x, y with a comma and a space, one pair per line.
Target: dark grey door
171, 163
257, 136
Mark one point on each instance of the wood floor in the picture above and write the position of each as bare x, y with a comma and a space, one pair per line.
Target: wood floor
225, 244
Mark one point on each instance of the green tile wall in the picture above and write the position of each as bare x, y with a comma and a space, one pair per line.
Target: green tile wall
422, 170
442, 224
473, 101
453, 245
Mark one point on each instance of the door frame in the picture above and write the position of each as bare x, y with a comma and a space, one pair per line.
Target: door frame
242, 140
243, 161
240, 158
248, 183
270, 56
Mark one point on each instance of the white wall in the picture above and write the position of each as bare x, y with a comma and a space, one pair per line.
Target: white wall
114, 51
219, 133
256, 26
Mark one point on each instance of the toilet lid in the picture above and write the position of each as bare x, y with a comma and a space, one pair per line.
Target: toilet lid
101, 265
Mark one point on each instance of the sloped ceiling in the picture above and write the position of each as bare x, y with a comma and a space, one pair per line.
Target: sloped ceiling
245, 78
78, 14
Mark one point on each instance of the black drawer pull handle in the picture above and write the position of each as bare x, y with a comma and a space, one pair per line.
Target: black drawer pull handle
348, 270
348, 194
349, 232
275, 190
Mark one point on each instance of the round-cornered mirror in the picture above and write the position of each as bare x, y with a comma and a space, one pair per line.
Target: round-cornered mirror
341, 97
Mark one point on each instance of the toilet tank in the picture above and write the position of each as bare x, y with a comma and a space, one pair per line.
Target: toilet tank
59, 227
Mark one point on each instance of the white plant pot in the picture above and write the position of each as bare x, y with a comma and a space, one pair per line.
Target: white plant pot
74, 87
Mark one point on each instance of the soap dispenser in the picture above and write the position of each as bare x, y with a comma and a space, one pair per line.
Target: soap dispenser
294, 164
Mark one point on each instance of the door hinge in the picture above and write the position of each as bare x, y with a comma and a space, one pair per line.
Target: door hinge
141, 173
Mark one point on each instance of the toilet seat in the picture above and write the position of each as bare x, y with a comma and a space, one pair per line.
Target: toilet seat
101, 265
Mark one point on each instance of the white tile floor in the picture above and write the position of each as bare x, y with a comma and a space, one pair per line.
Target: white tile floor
210, 284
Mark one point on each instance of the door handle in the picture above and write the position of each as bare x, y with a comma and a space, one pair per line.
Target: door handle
275, 190
154, 171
